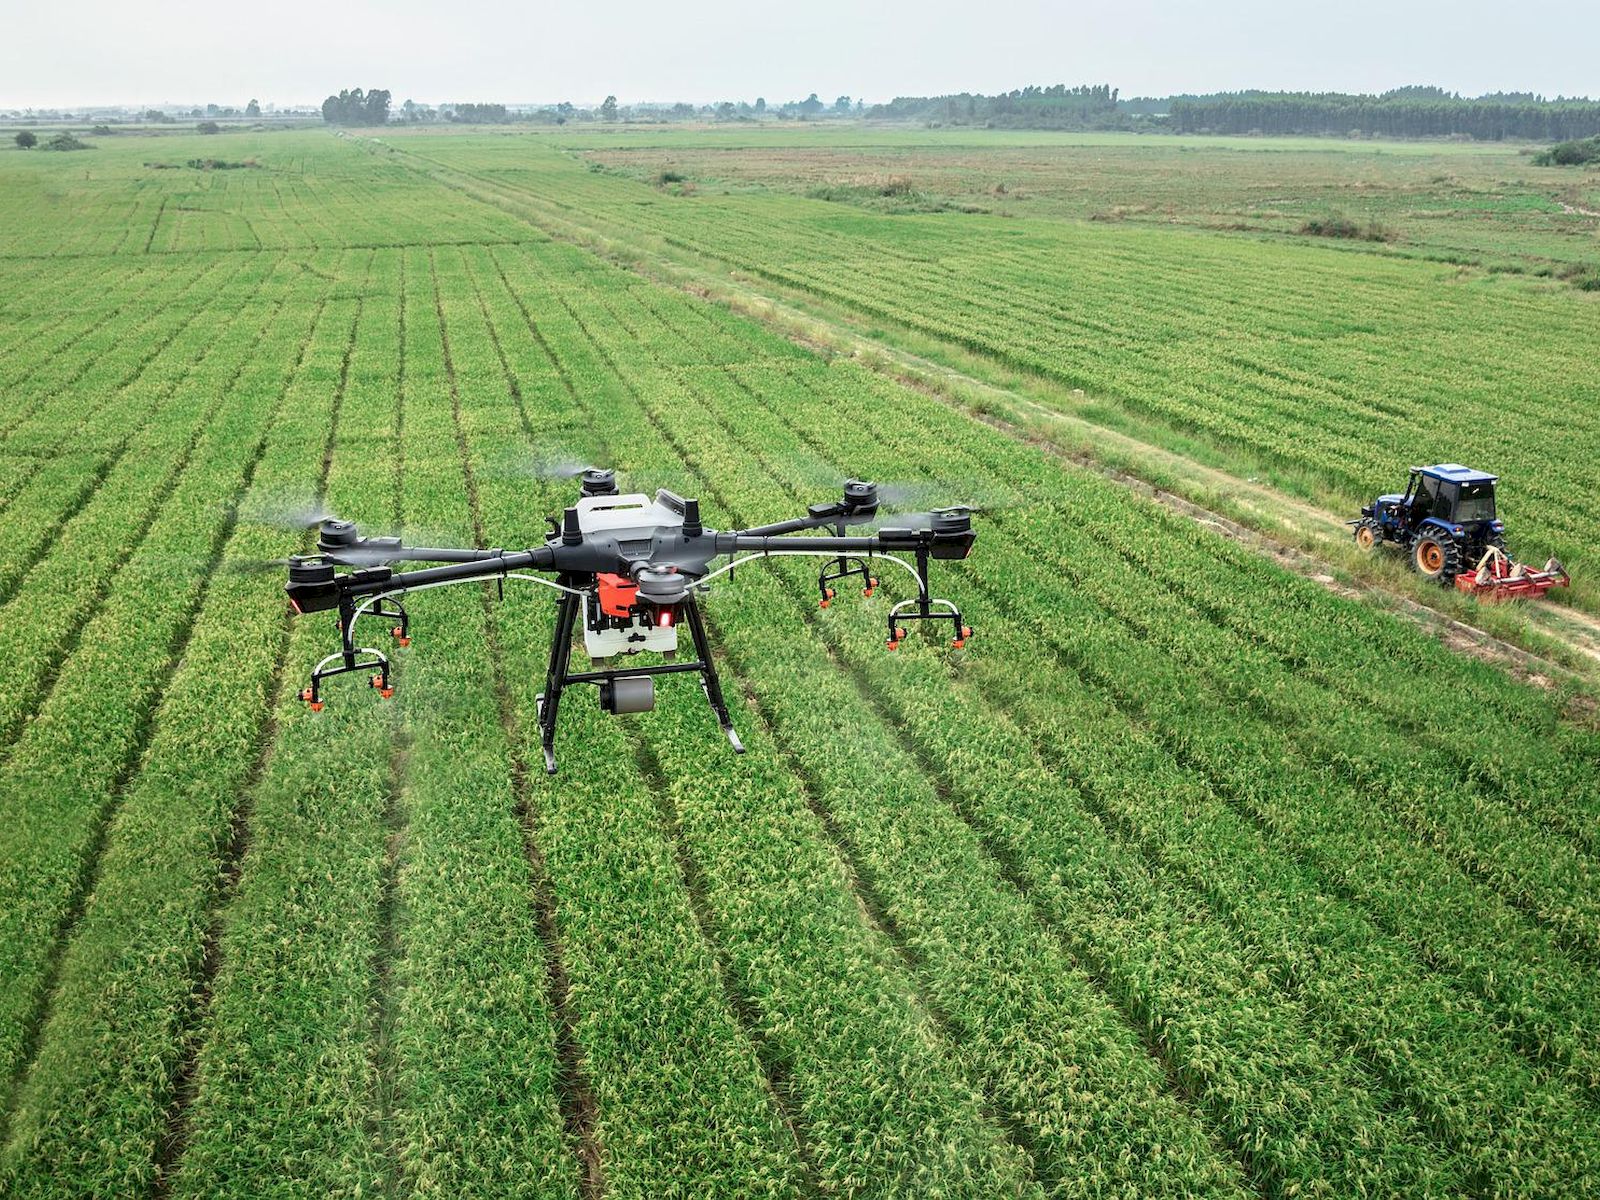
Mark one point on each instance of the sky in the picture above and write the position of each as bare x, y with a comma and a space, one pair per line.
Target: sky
291, 52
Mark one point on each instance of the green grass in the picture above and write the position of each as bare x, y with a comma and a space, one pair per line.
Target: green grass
1186, 876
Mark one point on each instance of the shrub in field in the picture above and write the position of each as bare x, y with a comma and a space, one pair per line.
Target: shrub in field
66, 141
208, 127
27, 140
1570, 154
1337, 226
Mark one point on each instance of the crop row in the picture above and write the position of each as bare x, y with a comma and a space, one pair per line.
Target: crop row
92, 1117
767, 428
66, 772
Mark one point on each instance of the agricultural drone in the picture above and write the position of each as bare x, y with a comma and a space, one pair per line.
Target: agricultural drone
629, 569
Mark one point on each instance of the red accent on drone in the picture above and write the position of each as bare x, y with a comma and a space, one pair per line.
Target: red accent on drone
618, 594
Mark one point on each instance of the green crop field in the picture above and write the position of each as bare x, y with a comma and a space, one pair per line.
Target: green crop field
1192, 874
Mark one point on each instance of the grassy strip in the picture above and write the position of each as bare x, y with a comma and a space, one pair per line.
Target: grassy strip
680, 1107
94, 1109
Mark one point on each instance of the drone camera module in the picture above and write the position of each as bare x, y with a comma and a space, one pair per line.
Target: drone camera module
628, 694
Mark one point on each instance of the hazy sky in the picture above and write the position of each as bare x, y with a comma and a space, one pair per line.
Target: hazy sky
69, 52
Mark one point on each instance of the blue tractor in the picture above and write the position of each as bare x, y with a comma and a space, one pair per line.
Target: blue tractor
1445, 519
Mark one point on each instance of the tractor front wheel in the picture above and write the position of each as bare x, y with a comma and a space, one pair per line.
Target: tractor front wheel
1368, 534
1436, 555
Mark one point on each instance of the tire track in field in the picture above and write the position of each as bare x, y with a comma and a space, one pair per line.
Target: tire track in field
742, 1005
144, 727
387, 948
739, 1005
185, 1085
575, 1098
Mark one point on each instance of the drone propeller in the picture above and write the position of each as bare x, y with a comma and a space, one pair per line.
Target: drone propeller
931, 519
293, 513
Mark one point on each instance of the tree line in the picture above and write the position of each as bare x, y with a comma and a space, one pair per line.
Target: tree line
1407, 112
1087, 106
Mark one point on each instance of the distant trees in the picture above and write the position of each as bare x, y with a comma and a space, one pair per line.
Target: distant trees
810, 106
608, 108
1404, 112
352, 106
27, 140
1087, 106
156, 117
208, 127
479, 114
253, 109
842, 105
761, 104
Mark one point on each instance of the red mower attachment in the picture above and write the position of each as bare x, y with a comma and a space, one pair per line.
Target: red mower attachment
1497, 578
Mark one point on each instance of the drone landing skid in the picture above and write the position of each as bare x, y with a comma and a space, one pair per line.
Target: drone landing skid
619, 691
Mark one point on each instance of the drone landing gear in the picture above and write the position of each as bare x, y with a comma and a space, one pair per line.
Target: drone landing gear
622, 691
351, 658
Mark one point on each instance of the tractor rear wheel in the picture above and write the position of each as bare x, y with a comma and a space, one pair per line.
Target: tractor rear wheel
1368, 534
1436, 555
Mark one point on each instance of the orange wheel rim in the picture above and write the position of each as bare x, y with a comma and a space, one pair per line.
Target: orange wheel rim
1432, 556
1364, 539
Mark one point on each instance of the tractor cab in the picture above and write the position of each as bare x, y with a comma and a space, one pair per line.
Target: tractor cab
1449, 493
1454, 497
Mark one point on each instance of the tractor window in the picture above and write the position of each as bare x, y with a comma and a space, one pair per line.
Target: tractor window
1476, 503
1427, 499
